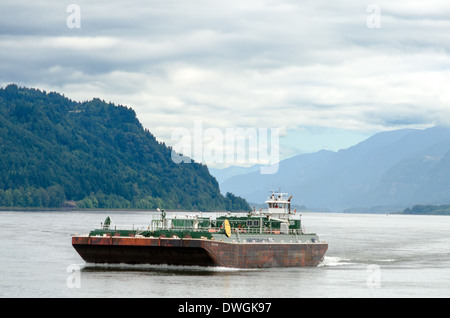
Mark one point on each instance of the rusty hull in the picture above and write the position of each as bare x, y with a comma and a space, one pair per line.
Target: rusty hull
200, 252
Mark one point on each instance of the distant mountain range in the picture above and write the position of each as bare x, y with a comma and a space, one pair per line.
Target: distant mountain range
385, 173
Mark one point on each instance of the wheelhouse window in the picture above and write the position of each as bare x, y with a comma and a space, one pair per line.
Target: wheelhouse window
252, 223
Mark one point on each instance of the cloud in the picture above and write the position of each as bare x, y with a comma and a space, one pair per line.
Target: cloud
260, 64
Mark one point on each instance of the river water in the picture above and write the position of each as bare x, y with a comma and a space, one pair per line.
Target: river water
368, 256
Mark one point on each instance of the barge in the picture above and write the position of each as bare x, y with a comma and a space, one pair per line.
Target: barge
257, 239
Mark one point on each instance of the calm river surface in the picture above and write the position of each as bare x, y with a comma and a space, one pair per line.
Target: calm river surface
368, 256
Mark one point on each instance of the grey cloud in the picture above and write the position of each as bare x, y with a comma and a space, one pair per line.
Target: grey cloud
232, 63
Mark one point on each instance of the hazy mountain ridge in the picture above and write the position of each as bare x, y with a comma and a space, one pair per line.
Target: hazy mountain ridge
398, 168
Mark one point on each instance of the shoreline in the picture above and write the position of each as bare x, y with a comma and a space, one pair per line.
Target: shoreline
21, 209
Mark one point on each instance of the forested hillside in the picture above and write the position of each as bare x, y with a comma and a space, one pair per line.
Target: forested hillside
428, 210
97, 154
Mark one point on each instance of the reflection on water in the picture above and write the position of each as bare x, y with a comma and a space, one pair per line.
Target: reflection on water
163, 269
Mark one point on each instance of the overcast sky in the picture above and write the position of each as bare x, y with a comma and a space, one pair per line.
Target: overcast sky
326, 73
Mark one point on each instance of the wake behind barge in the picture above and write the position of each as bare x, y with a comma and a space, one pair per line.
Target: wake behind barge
259, 239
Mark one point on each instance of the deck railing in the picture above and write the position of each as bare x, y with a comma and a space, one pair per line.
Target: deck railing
239, 230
